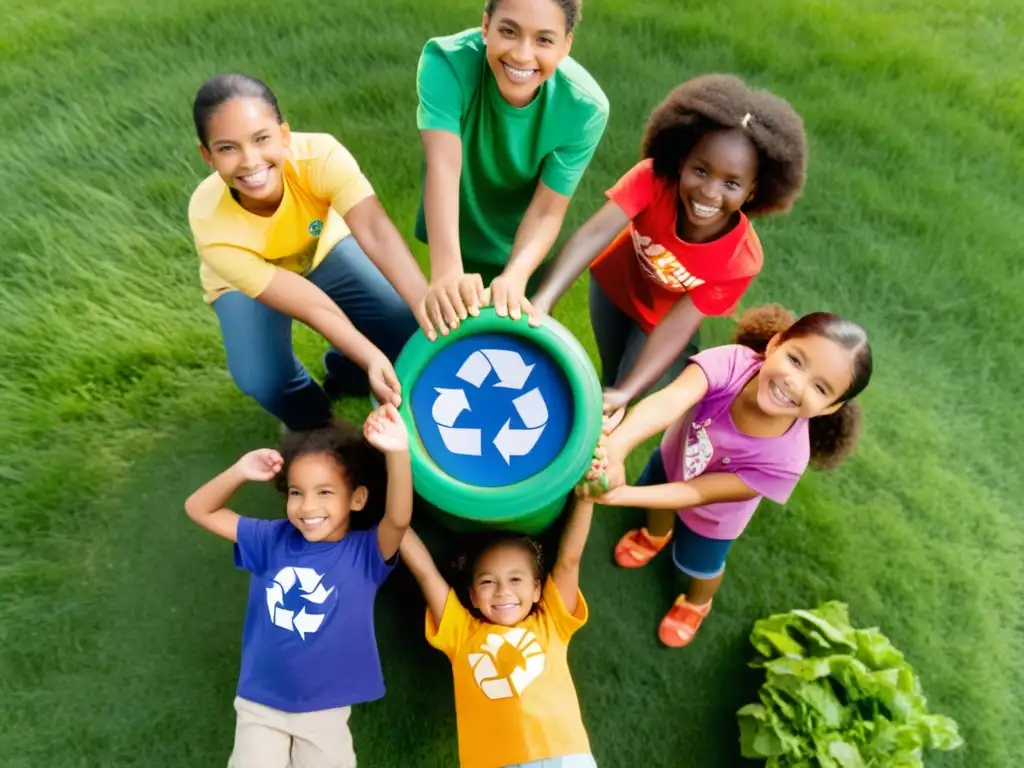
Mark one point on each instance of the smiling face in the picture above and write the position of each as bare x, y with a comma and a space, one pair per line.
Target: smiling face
247, 146
804, 377
320, 499
526, 40
716, 178
505, 586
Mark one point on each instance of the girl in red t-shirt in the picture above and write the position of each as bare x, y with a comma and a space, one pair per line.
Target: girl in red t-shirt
673, 244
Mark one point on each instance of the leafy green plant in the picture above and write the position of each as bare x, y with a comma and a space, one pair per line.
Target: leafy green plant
836, 697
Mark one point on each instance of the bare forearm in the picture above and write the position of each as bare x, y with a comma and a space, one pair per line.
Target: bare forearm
333, 324
215, 494
399, 504
585, 245
385, 247
663, 346
710, 488
577, 530
536, 234
441, 211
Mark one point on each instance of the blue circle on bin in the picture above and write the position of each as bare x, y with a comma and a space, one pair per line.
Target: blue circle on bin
492, 409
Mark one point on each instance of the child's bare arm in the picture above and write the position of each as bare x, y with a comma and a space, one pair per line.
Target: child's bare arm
417, 557
207, 505
385, 431
712, 488
566, 573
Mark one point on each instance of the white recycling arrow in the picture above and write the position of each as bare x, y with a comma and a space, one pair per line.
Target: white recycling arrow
307, 622
519, 442
449, 404
510, 367
512, 370
475, 369
318, 595
516, 442
283, 618
464, 442
286, 578
308, 578
275, 597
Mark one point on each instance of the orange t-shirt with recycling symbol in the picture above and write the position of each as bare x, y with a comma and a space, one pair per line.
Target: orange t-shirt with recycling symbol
515, 701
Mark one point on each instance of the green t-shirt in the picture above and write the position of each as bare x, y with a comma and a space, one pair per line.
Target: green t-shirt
505, 149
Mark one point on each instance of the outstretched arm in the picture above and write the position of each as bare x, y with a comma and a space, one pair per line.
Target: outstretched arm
383, 244
435, 589
207, 505
665, 343
712, 488
536, 234
385, 431
579, 251
566, 573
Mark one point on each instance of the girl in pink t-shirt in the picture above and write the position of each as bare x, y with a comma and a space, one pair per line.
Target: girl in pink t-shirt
743, 422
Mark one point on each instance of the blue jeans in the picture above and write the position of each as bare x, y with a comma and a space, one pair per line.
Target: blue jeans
258, 339
620, 339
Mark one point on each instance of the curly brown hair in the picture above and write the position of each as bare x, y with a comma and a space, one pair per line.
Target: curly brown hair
722, 102
832, 436
360, 463
573, 10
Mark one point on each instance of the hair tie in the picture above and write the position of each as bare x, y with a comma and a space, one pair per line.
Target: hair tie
746, 121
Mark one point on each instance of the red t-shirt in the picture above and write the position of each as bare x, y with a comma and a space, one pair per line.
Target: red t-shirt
648, 268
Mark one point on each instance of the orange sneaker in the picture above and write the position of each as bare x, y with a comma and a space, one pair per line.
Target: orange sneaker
637, 548
682, 622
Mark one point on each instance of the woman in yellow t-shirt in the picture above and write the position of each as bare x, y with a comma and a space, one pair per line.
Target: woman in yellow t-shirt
288, 228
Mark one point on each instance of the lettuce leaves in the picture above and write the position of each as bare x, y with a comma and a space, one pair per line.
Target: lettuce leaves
836, 697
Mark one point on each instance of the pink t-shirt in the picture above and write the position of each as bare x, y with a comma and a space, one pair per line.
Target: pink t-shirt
770, 465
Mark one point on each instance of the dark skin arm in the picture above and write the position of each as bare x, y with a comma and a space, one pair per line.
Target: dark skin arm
665, 343
585, 245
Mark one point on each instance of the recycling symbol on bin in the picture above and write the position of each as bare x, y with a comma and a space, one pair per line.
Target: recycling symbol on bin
512, 372
311, 588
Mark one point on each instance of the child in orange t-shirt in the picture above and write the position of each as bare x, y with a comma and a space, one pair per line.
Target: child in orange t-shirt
673, 244
515, 700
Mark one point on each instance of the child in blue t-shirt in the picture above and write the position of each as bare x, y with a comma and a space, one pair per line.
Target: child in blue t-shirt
308, 646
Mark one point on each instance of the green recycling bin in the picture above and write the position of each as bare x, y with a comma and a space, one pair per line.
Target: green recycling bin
503, 421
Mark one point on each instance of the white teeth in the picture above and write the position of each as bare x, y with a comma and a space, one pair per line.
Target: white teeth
313, 520
255, 179
704, 211
780, 395
518, 74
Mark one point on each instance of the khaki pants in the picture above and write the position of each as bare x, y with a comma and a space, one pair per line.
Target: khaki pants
270, 738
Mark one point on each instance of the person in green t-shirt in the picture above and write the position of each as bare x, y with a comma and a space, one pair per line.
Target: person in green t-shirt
509, 125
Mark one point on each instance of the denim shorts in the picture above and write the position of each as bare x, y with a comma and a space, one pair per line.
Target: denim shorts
695, 555
568, 761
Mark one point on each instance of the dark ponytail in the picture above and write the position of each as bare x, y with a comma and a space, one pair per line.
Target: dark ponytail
225, 87
832, 436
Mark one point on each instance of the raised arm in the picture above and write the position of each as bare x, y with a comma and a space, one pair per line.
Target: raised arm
297, 297
566, 572
385, 431
536, 234
435, 589
579, 251
207, 505
452, 295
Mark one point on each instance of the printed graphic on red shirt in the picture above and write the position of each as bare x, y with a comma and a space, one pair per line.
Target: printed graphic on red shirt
661, 265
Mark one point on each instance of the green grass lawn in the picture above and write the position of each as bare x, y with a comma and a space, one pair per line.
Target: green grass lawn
120, 621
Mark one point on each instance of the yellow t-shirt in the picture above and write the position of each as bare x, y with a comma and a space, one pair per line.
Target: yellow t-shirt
239, 250
515, 701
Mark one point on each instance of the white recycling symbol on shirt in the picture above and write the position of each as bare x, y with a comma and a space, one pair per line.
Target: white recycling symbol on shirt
512, 372
485, 670
311, 586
